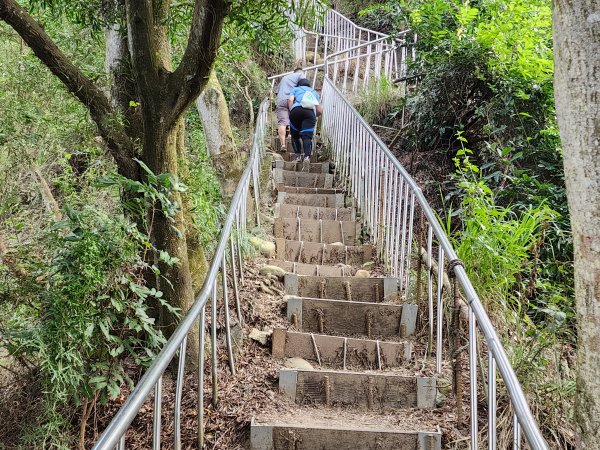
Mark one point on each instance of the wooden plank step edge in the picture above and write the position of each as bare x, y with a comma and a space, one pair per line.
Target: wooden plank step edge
315, 269
295, 284
321, 167
425, 392
280, 187
329, 200
291, 211
263, 437
322, 231
290, 344
345, 316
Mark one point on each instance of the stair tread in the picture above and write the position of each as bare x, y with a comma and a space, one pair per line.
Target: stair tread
322, 231
302, 179
318, 253
316, 417
370, 391
313, 212
314, 427
361, 354
314, 167
305, 190
333, 244
315, 200
372, 289
349, 318
294, 267
291, 156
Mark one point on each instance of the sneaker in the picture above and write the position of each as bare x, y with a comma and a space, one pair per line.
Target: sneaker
283, 149
307, 159
298, 158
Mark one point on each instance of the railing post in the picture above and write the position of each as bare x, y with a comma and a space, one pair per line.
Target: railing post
491, 402
473, 377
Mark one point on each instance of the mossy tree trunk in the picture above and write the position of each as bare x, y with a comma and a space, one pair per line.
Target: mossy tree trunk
213, 111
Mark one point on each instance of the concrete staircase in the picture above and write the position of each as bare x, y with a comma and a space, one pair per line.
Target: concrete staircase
355, 331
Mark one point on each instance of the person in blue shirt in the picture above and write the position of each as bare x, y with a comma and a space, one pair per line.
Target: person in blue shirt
303, 120
282, 112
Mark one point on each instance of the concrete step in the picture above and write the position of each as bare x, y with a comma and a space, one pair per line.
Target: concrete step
320, 200
302, 179
280, 187
322, 231
375, 290
320, 167
314, 269
313, 212
347, 318
373, 391
323, 254
290, 156
313, 430
359, 353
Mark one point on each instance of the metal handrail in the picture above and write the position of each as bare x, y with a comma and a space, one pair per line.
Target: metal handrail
340, 52
114, 434
335, 32
386, 193
373, 60
354, 26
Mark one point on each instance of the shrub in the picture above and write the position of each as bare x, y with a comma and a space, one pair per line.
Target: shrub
88, 310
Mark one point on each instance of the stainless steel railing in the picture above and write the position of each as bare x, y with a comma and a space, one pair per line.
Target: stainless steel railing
332, 33
395, 211
353, 68
229, 245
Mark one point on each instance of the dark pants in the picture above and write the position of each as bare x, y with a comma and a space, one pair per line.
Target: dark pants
302, 127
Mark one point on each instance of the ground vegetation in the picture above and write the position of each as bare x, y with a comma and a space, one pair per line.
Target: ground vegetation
477, 129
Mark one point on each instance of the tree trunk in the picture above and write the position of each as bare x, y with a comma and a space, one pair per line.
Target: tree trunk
577, 88
214, 114
175, 281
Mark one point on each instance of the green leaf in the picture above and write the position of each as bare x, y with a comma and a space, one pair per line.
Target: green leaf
89, 330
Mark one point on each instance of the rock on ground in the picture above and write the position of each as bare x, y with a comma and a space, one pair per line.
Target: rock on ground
265, 247
260, 336
272, 270
297, 363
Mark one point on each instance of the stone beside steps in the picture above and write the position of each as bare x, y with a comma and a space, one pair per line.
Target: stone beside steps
355, 331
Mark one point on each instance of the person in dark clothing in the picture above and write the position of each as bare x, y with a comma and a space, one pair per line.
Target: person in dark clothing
303, 119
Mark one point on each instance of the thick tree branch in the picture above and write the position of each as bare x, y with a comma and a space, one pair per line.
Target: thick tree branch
145, 54
119, 145
190, 77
